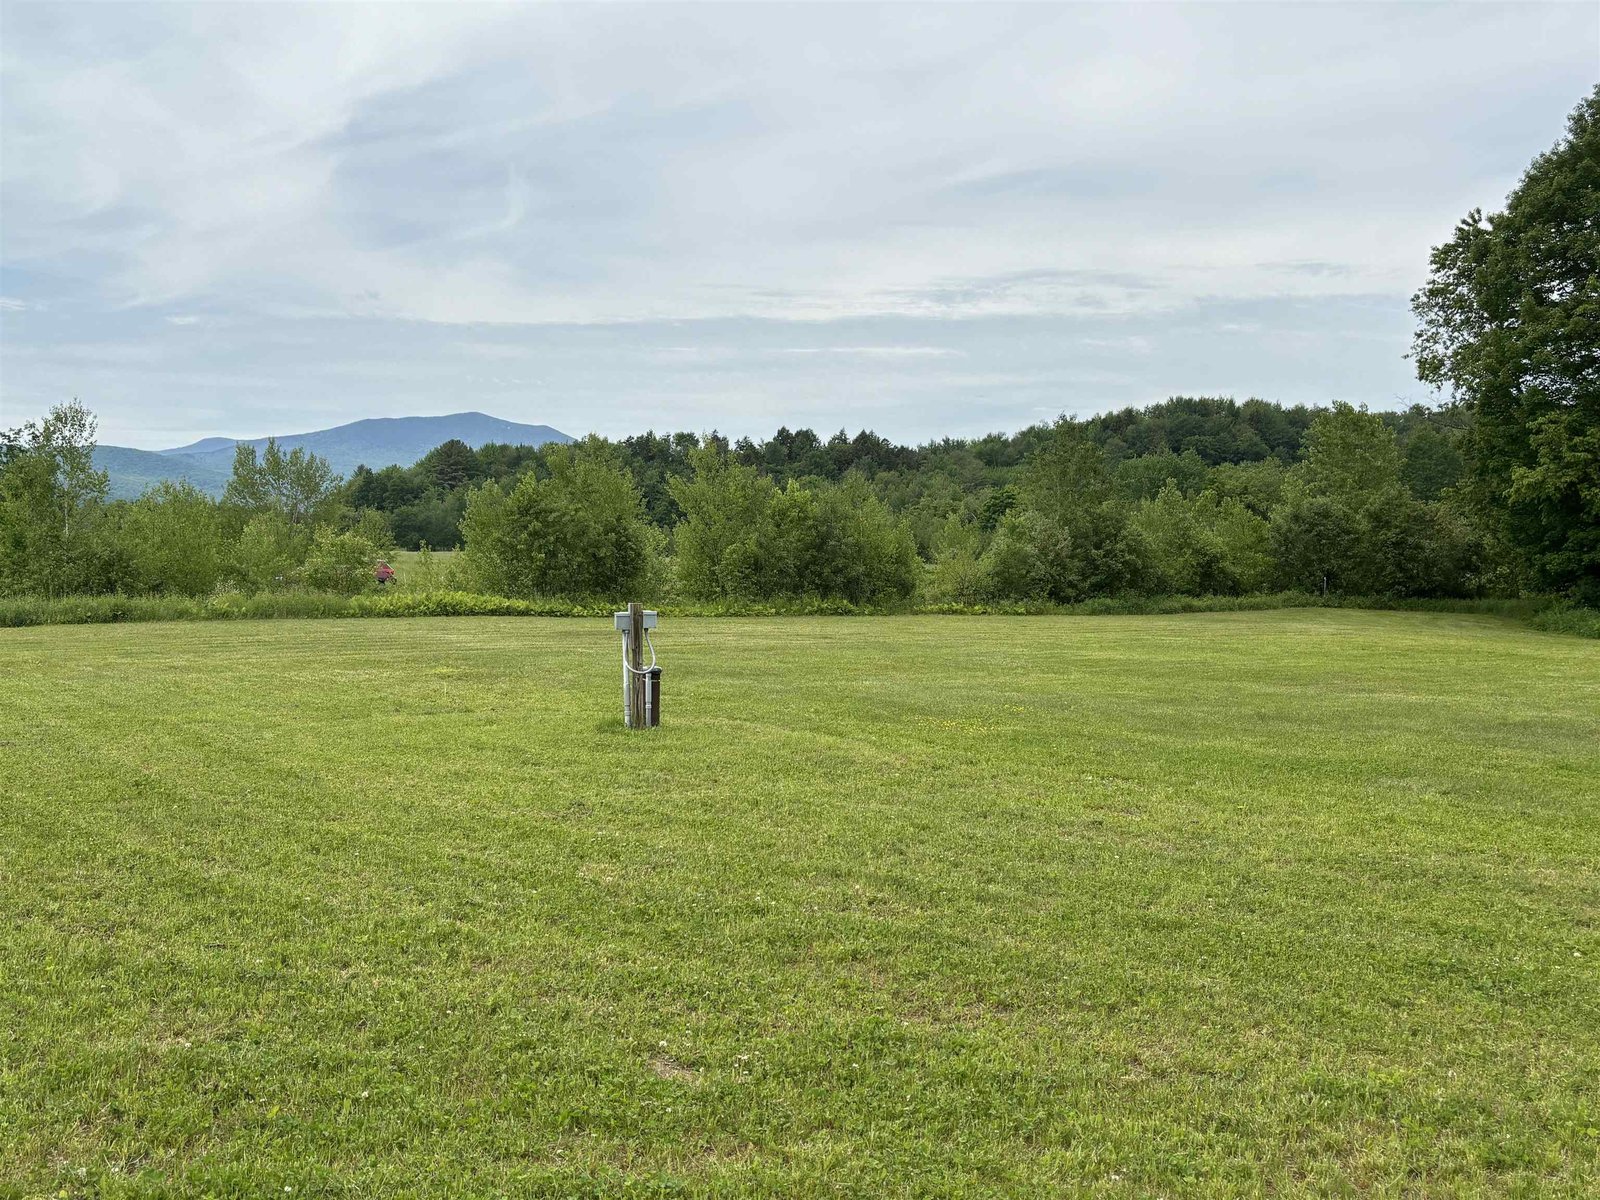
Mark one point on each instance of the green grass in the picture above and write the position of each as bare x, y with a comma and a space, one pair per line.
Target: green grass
405, 562
1299, 902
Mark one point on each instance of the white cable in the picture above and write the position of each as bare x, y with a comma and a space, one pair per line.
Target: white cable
628, 666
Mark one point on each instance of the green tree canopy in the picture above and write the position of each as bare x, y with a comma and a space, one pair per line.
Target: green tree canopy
298, 485
173, 541
341, 562
50, 495
1431, 464
1350, 454
1509, 320
743, 537
579, 532
1066, 474
723, 502
450, 464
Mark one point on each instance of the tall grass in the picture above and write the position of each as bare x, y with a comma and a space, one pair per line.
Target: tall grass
1543, 613
1568, 618
100, 610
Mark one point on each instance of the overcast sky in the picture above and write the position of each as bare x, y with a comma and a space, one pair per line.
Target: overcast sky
241, 220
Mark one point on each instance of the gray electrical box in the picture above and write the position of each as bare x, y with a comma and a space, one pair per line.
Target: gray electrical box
620, 620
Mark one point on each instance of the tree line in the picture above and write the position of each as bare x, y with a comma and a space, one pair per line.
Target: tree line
1496, 491
1180, 437
1365, 503
280, 524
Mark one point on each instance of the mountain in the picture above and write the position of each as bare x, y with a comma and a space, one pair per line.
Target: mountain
202, 446
381, 441
378, 442
133, 471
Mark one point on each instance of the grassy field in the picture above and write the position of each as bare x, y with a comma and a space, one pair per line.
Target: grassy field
1212, 905
405, 562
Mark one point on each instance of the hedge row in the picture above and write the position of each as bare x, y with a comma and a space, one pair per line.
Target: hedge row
1543, 613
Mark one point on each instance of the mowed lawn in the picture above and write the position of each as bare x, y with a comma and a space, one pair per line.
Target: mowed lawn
1297, 902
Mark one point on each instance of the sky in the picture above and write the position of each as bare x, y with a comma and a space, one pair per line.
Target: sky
928, 220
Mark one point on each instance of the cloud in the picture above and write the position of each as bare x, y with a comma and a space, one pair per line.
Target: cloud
483, 179
877, 351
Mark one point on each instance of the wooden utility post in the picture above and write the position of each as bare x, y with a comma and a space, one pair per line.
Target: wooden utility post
636, 679
641, 685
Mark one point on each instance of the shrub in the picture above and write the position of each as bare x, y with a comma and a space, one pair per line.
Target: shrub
1570, 619
1203, 545
1091, 552
1314, 544
955, 578
723, 505
264, 556
373, 526
580, 532
171, 540
345, 563
744, 538
853, 548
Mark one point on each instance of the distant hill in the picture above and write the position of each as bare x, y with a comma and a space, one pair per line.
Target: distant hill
131, 471
203, 446
381, 441
378, 442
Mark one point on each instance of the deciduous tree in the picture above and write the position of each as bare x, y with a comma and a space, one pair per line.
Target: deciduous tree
299, 485
1509, 321
49, 496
